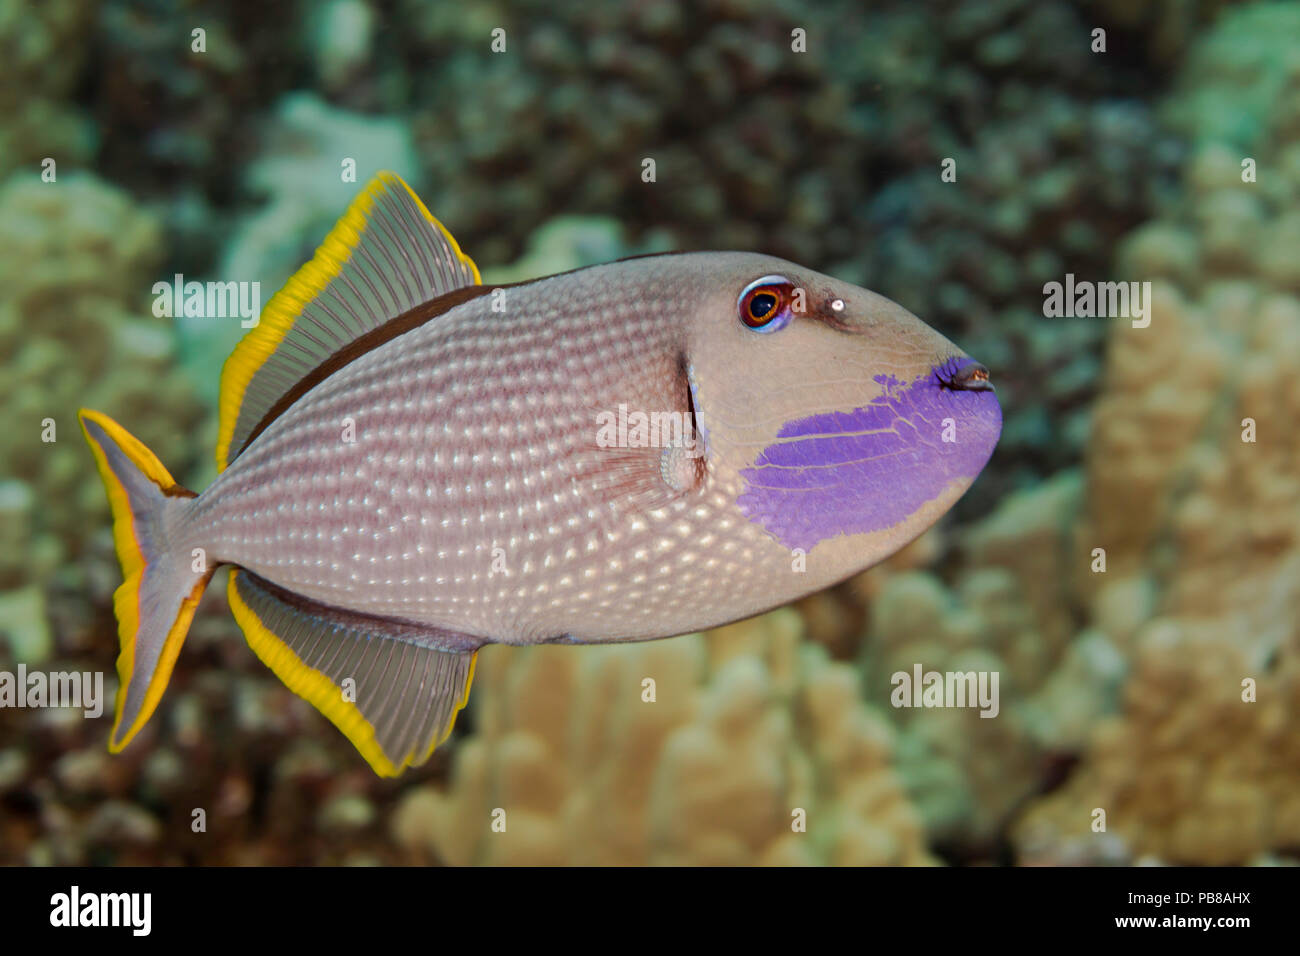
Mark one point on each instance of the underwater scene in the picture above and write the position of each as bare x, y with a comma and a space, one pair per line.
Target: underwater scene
838, 434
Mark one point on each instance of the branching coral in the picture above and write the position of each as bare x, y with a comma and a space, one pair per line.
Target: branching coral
751, 731
1009, 612
1191, 773
1194, 493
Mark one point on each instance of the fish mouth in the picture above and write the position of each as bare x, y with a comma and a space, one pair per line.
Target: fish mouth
961, 373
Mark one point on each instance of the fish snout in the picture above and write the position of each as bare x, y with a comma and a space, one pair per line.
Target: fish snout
964, 374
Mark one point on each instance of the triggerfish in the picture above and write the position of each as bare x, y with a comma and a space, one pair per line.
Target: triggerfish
414, 464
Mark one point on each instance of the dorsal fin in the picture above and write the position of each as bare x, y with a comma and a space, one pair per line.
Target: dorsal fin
387, 255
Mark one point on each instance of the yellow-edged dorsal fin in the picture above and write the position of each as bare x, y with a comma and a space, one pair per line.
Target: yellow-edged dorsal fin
387, 255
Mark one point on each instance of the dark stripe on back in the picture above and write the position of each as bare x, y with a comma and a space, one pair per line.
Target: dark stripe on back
398, 325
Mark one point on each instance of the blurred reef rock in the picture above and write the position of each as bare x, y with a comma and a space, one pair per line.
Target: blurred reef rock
77, 259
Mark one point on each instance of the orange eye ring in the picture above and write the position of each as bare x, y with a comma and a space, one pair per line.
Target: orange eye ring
764, 306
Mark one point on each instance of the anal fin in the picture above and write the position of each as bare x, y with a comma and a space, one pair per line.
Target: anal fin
407, 682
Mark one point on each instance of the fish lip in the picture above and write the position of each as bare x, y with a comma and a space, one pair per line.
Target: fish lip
961, 373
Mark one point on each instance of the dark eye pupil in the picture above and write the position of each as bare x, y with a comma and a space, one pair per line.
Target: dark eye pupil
761, 305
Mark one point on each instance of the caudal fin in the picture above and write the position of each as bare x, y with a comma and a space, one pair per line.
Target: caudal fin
162, 587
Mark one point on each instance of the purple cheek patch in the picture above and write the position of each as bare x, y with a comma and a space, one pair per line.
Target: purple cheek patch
868, 469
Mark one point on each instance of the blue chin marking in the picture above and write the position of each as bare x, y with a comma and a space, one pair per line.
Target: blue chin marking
873, 467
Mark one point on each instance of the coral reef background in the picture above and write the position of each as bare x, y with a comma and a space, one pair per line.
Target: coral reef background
1163, 690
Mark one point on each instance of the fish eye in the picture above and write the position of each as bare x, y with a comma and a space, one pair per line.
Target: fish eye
764, 306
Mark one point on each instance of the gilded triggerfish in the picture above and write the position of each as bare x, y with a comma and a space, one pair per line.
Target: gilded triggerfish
413, 465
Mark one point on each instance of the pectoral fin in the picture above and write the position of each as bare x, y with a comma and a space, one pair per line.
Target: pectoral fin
394, 689
650, 452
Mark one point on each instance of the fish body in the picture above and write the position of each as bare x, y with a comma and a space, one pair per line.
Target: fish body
415, 465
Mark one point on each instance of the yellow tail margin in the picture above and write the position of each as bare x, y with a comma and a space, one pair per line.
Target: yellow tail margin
161, 588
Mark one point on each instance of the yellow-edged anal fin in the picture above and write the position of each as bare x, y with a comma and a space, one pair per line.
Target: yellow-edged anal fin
387, 255
390, 691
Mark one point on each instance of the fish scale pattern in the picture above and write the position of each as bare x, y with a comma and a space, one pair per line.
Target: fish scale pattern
452, 477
